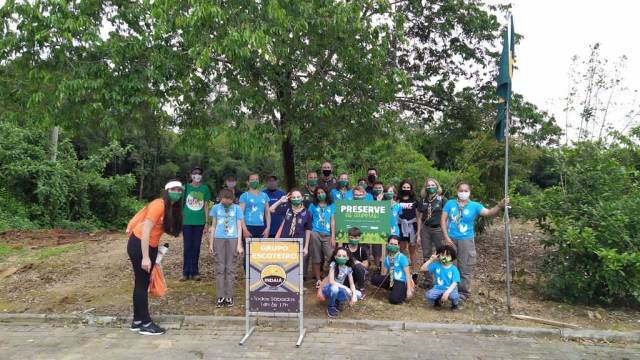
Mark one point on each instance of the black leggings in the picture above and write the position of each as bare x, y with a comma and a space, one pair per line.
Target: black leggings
398, 292
141, 282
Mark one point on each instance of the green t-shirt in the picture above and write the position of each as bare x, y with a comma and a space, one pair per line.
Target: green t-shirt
194, 200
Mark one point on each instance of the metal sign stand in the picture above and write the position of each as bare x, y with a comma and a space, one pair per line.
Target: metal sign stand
249, 329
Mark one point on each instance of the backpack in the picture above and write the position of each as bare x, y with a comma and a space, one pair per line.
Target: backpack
137, 219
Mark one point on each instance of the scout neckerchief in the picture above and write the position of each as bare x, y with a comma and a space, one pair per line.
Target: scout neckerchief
294, 220
392, 267
321, 212
430, 199
460, 209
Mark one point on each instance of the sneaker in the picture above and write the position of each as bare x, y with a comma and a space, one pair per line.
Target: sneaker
228, 302
437, 303
220, 303
135, 327
455, 307
318, 283
362, 292
332, 312
196, 277
340, 305
184, 278
151, 329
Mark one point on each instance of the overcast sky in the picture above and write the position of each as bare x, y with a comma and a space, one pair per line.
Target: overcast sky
554, 31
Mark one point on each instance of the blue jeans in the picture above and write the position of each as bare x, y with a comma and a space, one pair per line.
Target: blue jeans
334, 294
436, 294
192, 240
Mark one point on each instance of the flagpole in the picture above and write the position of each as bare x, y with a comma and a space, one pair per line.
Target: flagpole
506, 194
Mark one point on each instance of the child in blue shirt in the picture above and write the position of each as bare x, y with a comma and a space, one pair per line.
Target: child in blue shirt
395, 274
335, 291
446, 276
225, 243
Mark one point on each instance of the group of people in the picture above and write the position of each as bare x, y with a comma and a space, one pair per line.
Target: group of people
424, 219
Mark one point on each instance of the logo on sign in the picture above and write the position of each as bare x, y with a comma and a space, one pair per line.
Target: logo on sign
273, 276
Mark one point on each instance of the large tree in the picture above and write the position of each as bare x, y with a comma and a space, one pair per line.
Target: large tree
313, 72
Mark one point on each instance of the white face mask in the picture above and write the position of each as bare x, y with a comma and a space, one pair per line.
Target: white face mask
463, 195
196, 177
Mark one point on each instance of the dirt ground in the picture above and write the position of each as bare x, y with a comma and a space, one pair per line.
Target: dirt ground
67, 272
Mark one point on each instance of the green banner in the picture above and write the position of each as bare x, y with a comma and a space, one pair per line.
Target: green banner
372, 217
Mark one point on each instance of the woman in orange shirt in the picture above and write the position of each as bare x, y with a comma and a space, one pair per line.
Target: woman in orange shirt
164, 215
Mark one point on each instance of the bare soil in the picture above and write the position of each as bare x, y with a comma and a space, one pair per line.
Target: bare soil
57, 271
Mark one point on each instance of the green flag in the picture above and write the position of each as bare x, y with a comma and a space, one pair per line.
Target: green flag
505, 73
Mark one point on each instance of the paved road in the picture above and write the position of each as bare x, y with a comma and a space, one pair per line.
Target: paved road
43, 341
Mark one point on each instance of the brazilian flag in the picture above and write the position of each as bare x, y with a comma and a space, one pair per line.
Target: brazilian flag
504, 81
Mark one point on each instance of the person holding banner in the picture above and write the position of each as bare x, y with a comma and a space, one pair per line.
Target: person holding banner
408, 226
377, 192
457, 223
297, 221
342, 191
225, 242
359, 193
395, 275
396, 210
163, 215
340, 271
429, 212
323, 233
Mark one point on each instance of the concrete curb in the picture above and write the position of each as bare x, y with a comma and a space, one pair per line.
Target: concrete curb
179, 321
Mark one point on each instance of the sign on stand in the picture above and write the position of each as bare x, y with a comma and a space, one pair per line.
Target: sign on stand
274, 285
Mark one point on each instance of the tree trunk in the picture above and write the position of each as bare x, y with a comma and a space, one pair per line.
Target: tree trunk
141, 190
288, 163
54, 143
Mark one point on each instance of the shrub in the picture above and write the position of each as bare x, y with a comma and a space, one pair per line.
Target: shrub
592, 219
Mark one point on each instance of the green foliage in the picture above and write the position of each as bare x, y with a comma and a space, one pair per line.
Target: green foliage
65, 193
592, 219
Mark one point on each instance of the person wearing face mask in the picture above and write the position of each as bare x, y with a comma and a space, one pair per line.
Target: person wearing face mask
429, 212
342, 190
378, 195
274, 195
395, 275
457, 223
327, 180
231, 182
372, 177
323, 234
390, 194
257, 217
360, 257
163, 215
296, 222
446, 276
225, 243
408, 225
359, 192
334, 290
195, 219
310, 186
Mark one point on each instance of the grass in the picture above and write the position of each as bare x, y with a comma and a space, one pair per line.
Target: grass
8, 250
49, 252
